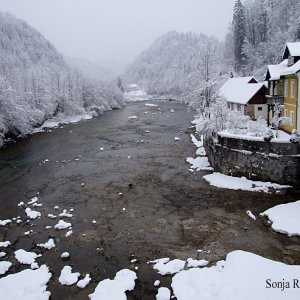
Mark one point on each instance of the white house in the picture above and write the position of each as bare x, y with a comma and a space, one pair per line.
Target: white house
245, 94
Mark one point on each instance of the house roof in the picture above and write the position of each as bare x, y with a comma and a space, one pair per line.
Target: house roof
292, 48
239, 90
282, 69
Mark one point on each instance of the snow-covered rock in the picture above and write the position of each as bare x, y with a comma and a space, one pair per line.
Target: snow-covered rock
164, 266
62, 225
48, 245
84, 282
4, 267
32, 214
163, 294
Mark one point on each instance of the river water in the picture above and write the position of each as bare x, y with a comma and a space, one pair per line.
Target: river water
164, 209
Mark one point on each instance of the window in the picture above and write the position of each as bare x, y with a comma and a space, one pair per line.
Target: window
228, 105
280, 88
239, 107
292, 117
286, 88
293, 88
285, 113
259, 108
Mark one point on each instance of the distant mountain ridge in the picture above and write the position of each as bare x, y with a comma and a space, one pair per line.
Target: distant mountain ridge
164, 67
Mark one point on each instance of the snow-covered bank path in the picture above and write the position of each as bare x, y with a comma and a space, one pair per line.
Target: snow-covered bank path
124, 186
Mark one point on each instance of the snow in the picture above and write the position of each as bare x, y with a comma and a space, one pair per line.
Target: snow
151, 105
239, 90
163, 294
65, 214
197, 143
156, 283
241, 183
84, 282
62, 225
5, 244
4, 266
137, 95
5, 222
65, 255
276, 71
285, 218
243, 275
24, 257
2, 254
68, 233
199, 163
115, 289
31, 284
33, 200
63, 119
164, 266
294, 48
132, 117
176, 138
32, 214
250, 214
48, 245
194, 263
67, 277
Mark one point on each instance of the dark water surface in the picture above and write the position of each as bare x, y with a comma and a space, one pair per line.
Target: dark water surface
169, 211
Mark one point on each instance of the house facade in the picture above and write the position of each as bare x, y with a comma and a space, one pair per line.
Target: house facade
246, 95
284, 87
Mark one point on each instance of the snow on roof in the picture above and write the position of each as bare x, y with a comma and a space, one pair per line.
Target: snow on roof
276, 71
132, 85
294, 48
239, 90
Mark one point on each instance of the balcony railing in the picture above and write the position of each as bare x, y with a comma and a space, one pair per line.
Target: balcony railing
272, 100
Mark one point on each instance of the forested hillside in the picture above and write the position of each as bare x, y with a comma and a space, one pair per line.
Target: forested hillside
164, 68
36, 83
259, 32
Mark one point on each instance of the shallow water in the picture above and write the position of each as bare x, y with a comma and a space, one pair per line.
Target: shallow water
169, 211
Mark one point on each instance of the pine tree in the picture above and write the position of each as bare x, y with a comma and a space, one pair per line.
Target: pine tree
239, 34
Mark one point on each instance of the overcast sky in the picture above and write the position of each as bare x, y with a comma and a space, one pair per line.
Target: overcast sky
118, 30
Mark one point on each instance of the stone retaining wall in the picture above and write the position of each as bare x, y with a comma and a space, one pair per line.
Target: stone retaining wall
266, 161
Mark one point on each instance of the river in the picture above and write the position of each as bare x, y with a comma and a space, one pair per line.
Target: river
130, 176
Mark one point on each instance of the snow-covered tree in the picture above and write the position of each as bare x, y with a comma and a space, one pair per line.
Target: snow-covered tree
36, 83
239, 34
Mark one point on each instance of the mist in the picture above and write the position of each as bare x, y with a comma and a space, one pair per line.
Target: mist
113, 32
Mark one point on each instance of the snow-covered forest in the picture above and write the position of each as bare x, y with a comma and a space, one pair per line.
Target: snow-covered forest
193, 66
259, 32
37, 84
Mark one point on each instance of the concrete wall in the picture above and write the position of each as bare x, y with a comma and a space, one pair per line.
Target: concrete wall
266, 161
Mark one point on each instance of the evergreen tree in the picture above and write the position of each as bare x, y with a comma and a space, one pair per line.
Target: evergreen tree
239, 34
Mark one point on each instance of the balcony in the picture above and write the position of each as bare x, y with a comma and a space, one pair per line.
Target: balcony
276, 99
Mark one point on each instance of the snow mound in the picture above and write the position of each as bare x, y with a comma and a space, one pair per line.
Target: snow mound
194, 263
4, 266
5, 244
32, 214
62, 225
24, 257
164, 266
26, 285
243, 275
163, 294
115, 289
84, 282
241, 183
67, 277
48, 245
5, 222
285, 218
199, 163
